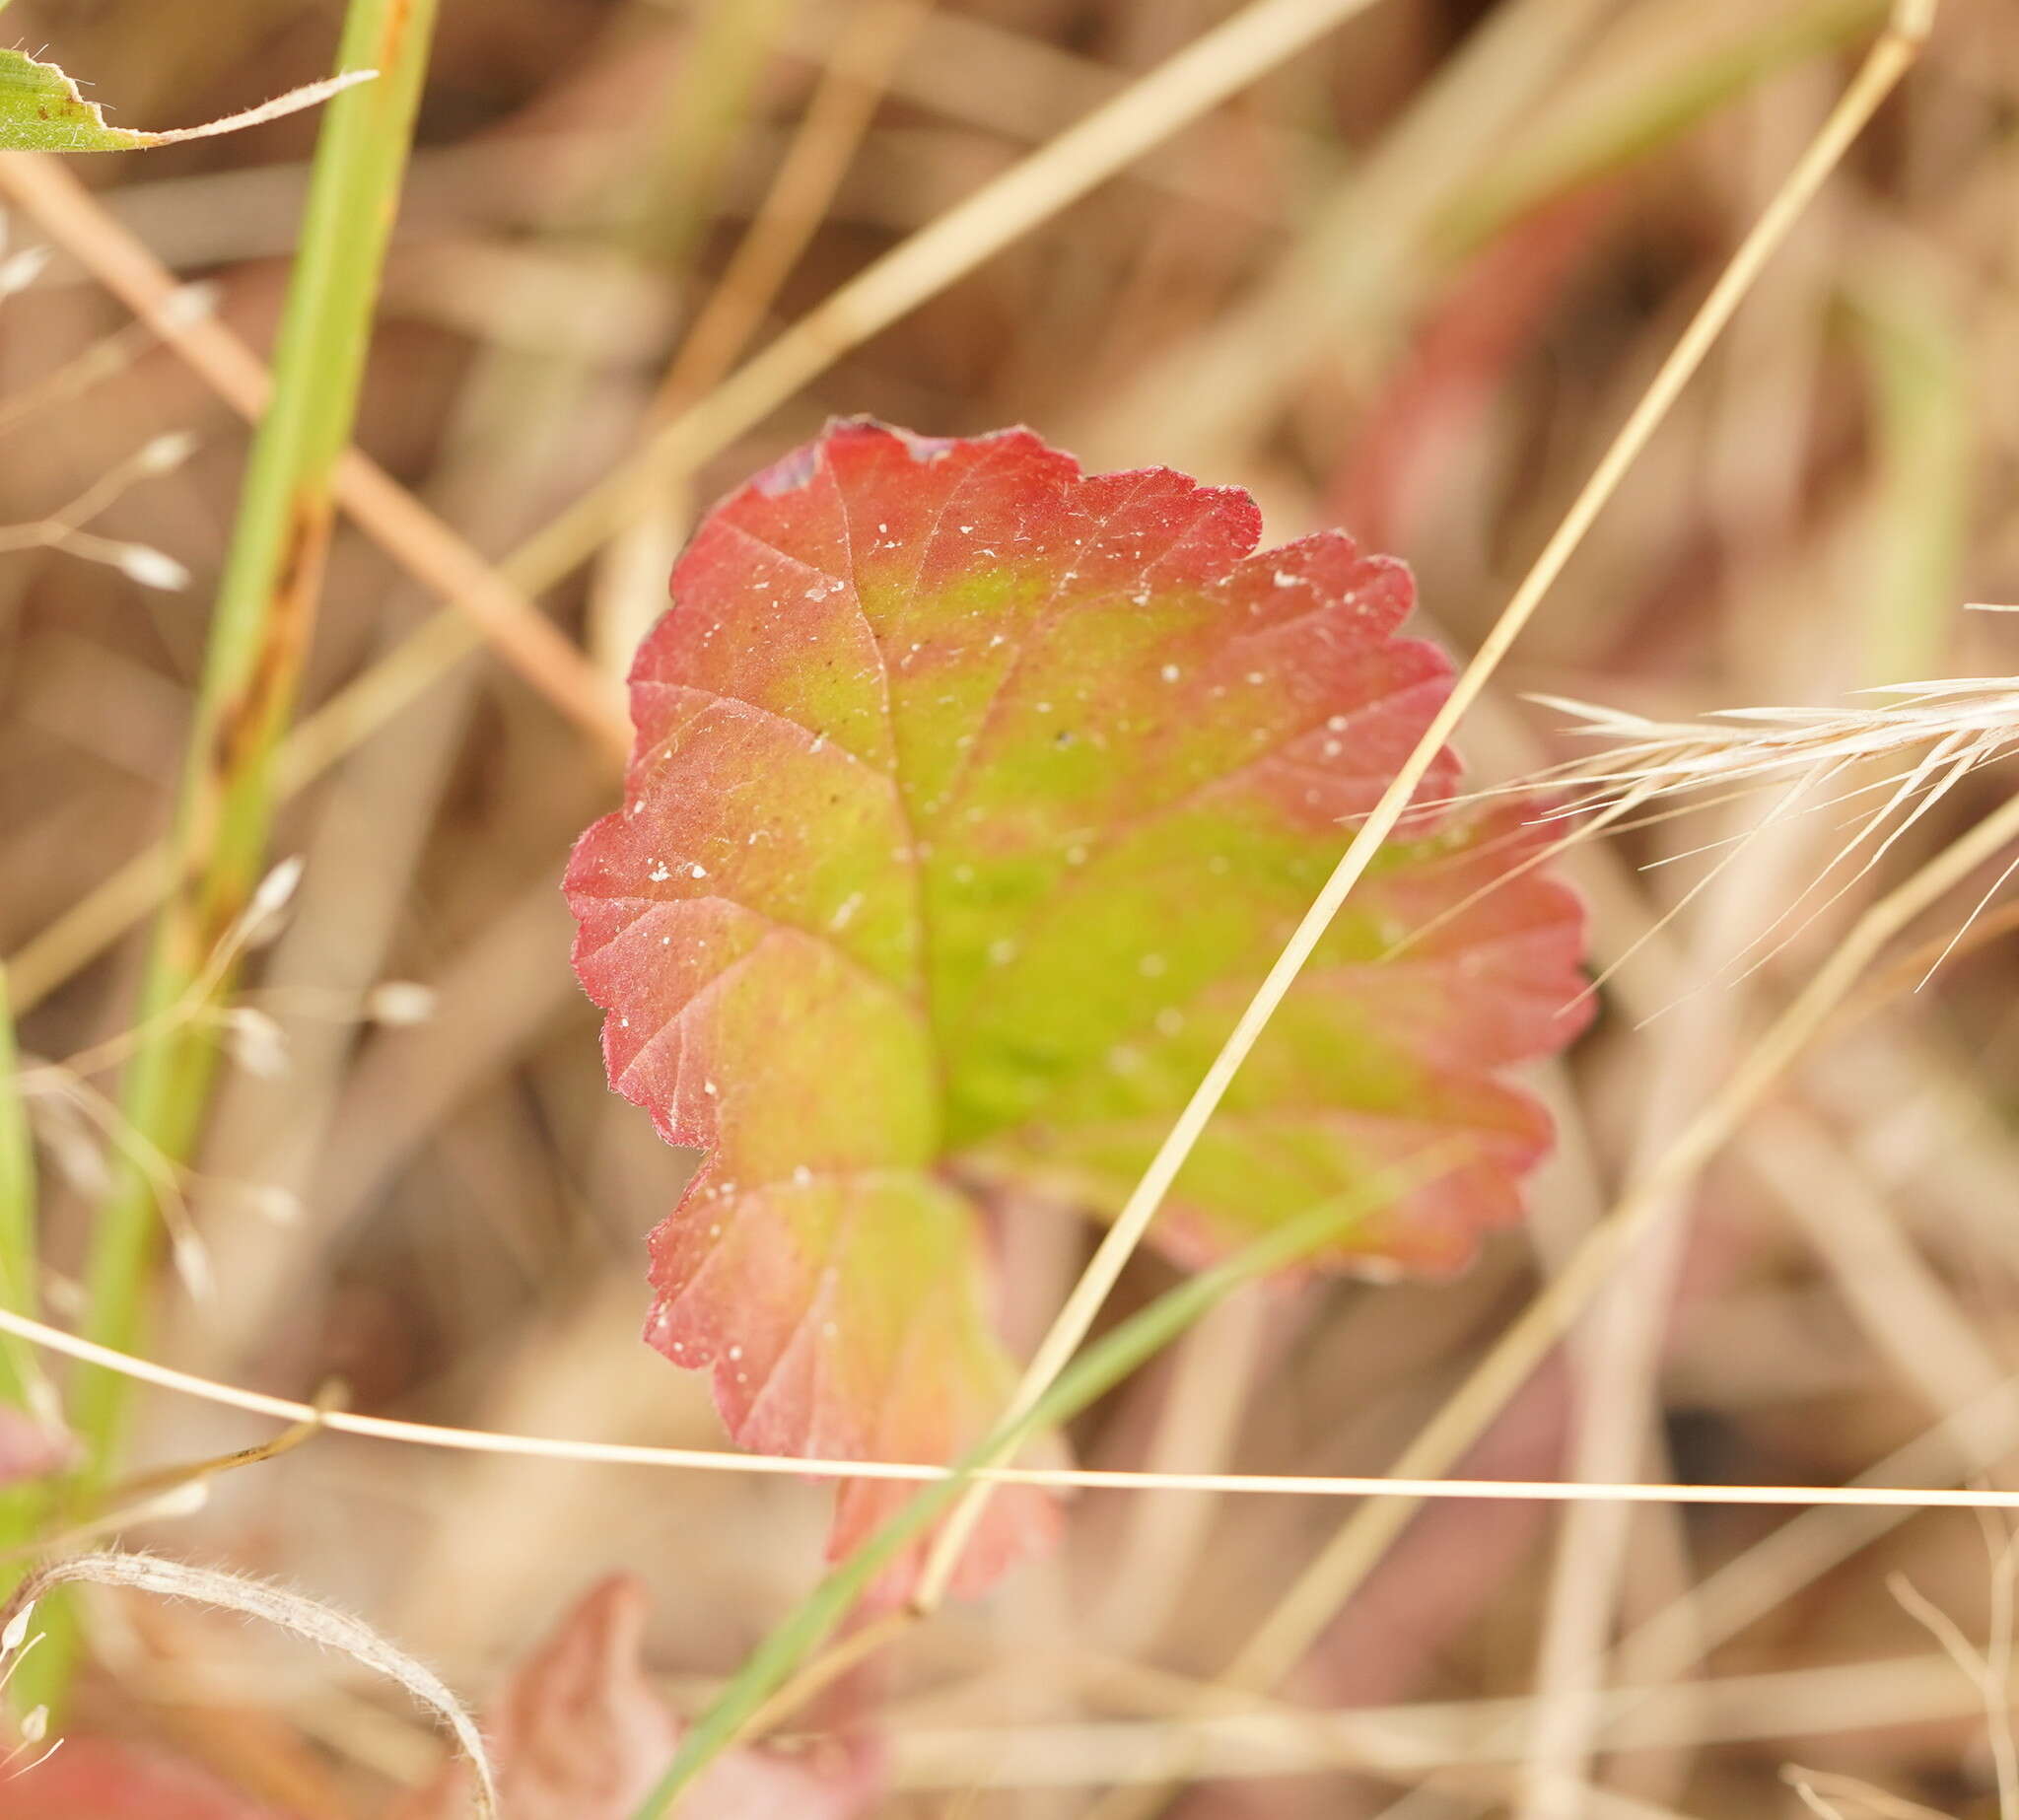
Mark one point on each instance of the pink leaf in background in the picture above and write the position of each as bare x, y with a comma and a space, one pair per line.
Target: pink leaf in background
580, 1734
94, 1778
31, 1449
972, 797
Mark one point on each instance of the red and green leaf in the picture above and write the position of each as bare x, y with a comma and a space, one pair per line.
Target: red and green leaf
972, 797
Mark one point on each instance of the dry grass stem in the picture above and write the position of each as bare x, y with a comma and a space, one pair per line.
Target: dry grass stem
1383, 1487
411, 535
305, 1618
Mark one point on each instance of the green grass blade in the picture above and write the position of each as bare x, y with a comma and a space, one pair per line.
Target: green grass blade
1630, 120
1924, 434
264, 616
24, 1508
18, 1366
676, 191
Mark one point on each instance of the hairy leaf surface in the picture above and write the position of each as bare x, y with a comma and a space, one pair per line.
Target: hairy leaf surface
972, 797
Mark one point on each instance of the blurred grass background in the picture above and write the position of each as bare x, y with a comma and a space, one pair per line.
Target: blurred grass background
1409, 282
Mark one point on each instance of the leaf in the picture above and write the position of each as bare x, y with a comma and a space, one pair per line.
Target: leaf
580, 1734
972, 797
96, 1778
42, 111
31, 1449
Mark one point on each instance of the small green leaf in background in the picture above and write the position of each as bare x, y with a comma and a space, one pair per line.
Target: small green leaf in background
973, 797
42, 111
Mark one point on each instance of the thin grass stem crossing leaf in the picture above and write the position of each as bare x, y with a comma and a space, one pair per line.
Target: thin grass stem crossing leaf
972, 797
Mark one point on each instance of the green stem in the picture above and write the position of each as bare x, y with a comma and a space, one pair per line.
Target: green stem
265, 609
18, 1365
1923, 428
1097, 1370
1637, 118
24, 1508
672, 195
